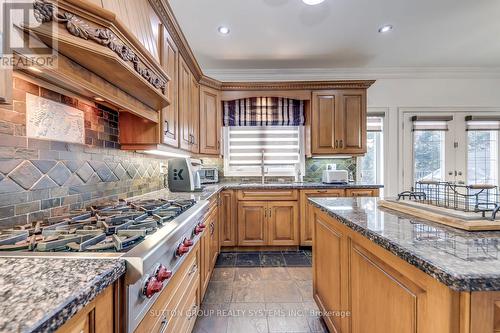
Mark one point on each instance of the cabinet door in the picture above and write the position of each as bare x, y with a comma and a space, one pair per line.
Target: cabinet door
210, 119
195, 116
170, 114
350, 120
184, 105
307, 212
327, 269
205, 260
372, 283
252, 228
214, 237
283, 222
323, 134
227, 218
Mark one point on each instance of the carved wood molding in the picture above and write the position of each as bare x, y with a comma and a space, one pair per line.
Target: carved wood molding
164, 11
45, 11
297, 85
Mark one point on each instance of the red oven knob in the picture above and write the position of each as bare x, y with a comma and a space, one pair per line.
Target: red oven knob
201, 225
182, 249
162, 273
198, 230
187, 242
151, 287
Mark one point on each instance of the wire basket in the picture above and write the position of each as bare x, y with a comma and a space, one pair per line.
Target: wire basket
467, 198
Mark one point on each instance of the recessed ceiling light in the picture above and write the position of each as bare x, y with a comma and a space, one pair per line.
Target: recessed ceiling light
223, 30
385, 28
312, 2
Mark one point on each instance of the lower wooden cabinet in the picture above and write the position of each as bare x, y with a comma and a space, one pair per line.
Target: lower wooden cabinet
227, 218
306, 219
210, 246
327, 268
262, 223
252, 222
361, 287
97, 316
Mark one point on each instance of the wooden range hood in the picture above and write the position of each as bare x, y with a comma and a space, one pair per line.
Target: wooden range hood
100, 56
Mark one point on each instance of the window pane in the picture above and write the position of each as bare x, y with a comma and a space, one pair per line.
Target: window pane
482, 157
369, 170
428, 155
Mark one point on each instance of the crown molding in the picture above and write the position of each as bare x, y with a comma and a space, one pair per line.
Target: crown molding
327, 74
297, 85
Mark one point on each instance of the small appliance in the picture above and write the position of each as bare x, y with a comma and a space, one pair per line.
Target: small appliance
335, 177
209, 175
183, 175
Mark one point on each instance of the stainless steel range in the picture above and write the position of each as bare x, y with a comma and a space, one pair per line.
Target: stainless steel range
153, 236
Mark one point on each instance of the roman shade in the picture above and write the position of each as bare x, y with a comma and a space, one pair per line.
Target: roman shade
431, 123
482, 123
264, 111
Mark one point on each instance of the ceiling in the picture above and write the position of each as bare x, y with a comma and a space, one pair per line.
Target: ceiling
340, 34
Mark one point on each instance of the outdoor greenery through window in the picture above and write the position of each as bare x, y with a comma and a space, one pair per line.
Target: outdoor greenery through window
428, 155
370, 166
482, 157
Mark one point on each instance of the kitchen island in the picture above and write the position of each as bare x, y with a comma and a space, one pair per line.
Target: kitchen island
42, 294
394, 273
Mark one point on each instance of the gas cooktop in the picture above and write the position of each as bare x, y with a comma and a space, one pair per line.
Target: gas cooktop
112, 227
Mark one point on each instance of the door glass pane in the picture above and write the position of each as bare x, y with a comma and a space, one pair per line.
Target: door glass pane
428, 155
482, 157
370, 169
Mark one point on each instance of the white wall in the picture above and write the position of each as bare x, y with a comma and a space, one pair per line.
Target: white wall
395, 95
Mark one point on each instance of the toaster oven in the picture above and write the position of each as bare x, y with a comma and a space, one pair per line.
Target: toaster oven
209, 175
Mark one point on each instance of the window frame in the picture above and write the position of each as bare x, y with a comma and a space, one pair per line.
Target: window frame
379, 158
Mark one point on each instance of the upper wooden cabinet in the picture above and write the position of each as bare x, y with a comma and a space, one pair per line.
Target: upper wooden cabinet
210, 121
338, 124
170, 114
189, 109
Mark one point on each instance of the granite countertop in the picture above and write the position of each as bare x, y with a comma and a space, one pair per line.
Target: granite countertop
210, 189
41, 294
464, 261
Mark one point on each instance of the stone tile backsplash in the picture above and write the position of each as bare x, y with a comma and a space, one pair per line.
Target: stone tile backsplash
314, 169
44, 178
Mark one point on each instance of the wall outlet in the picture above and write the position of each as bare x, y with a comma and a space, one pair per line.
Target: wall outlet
163, 168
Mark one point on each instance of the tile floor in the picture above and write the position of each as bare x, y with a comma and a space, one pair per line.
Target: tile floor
260, 292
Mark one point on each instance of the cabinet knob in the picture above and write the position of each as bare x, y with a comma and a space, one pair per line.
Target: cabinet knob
341, 143
336, 143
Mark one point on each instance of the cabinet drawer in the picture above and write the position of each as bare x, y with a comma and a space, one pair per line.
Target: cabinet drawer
162, 315
186, 317
325, 192
267, 195
362, 192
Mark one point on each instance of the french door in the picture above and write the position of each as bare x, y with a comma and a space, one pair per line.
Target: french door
454, 147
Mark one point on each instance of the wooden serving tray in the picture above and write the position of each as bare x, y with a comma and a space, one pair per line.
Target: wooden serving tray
453, 218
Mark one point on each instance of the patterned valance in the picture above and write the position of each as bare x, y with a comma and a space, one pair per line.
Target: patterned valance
264, 111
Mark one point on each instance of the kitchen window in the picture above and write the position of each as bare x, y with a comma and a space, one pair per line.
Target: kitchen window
278, 150
370, 166
454, 147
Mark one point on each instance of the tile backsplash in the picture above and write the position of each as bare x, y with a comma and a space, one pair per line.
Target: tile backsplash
45, 178
313, 169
